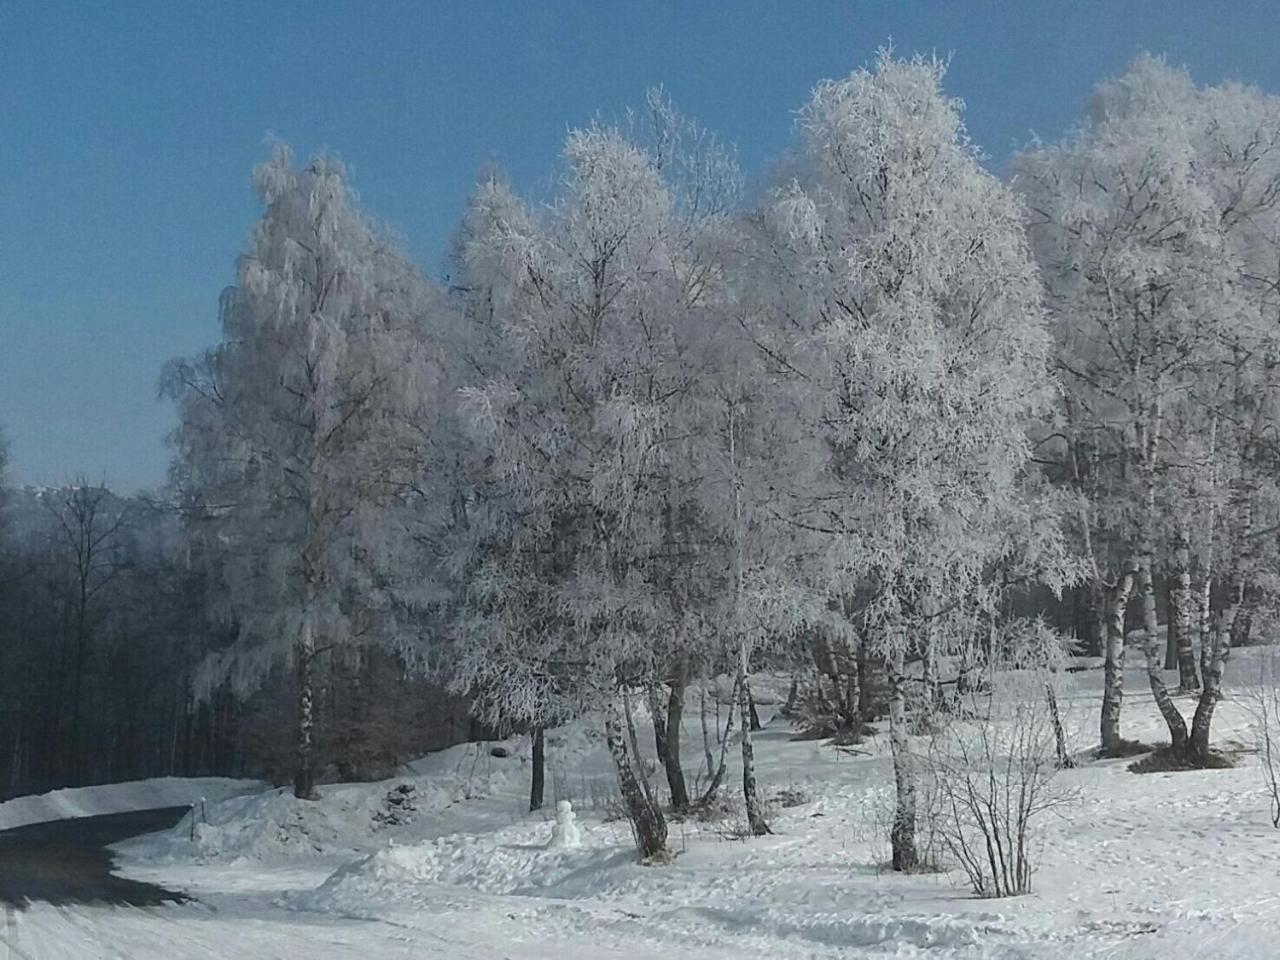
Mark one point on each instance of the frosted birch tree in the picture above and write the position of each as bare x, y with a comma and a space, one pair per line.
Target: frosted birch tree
302, 430
583, 418
1142, 223
917, 324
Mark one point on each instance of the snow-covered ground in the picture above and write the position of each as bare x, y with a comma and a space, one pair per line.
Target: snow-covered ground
1137, 866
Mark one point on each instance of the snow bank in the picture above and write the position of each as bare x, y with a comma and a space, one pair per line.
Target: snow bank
407, 875
72, 802
347, 819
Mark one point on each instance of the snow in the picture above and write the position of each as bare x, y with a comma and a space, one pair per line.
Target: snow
273, 825
1137, 866
565, 835
153, 794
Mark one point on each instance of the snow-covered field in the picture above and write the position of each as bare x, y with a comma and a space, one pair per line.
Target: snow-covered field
1136, 866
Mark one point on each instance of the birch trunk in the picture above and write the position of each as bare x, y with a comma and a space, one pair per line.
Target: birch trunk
304, 787
718, 778
1065, 762
637, 755
793, 697
658, 715
1100, 607
1211, 692
902, 836
1204, 611
706, 733
648, 825
932, 690
865, 706
536, 785
1224, 638
755, 815
1151, 642
1188, 679
1113, 663
675, 717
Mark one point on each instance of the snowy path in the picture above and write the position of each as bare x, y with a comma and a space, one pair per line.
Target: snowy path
67, 861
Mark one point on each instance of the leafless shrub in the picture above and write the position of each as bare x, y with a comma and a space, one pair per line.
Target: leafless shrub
1263, 699
990, 779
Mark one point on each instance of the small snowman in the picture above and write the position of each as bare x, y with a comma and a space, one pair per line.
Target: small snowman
565, 835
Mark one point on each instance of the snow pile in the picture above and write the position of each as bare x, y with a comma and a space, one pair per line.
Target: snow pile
72, 802
347, 819
494, 864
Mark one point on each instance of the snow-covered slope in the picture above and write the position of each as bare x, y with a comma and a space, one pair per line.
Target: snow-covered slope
348, 820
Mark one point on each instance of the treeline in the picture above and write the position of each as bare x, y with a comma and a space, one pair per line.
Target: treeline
103, 631
865, 425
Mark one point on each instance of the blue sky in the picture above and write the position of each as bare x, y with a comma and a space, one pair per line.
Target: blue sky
128, 130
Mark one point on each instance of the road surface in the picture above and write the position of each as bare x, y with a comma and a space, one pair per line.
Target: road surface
67, 862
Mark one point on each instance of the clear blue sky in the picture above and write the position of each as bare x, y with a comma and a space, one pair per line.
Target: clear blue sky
128, 129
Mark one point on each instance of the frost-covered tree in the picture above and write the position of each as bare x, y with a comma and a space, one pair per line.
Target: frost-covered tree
1145, 222
576, 545
912, 317
301, 432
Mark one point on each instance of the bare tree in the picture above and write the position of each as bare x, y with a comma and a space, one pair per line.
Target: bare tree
89, 531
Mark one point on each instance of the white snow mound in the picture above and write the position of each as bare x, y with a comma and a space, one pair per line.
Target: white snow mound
407, 874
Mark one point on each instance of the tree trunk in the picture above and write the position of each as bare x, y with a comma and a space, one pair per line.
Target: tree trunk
73, 744
1150, 622
1171, 621
637, 755
1188, 679
706, 733
648, 825
539, 769
718, 778
675, 717
793, 697
657, 715
932, 690
1113, 664
1100, 605
902, 836
755, 815
304, 771
866, 706
1204, 612
1211, 692
1065, 762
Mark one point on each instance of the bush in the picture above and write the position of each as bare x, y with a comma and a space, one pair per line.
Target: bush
990, 778
1263, 697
